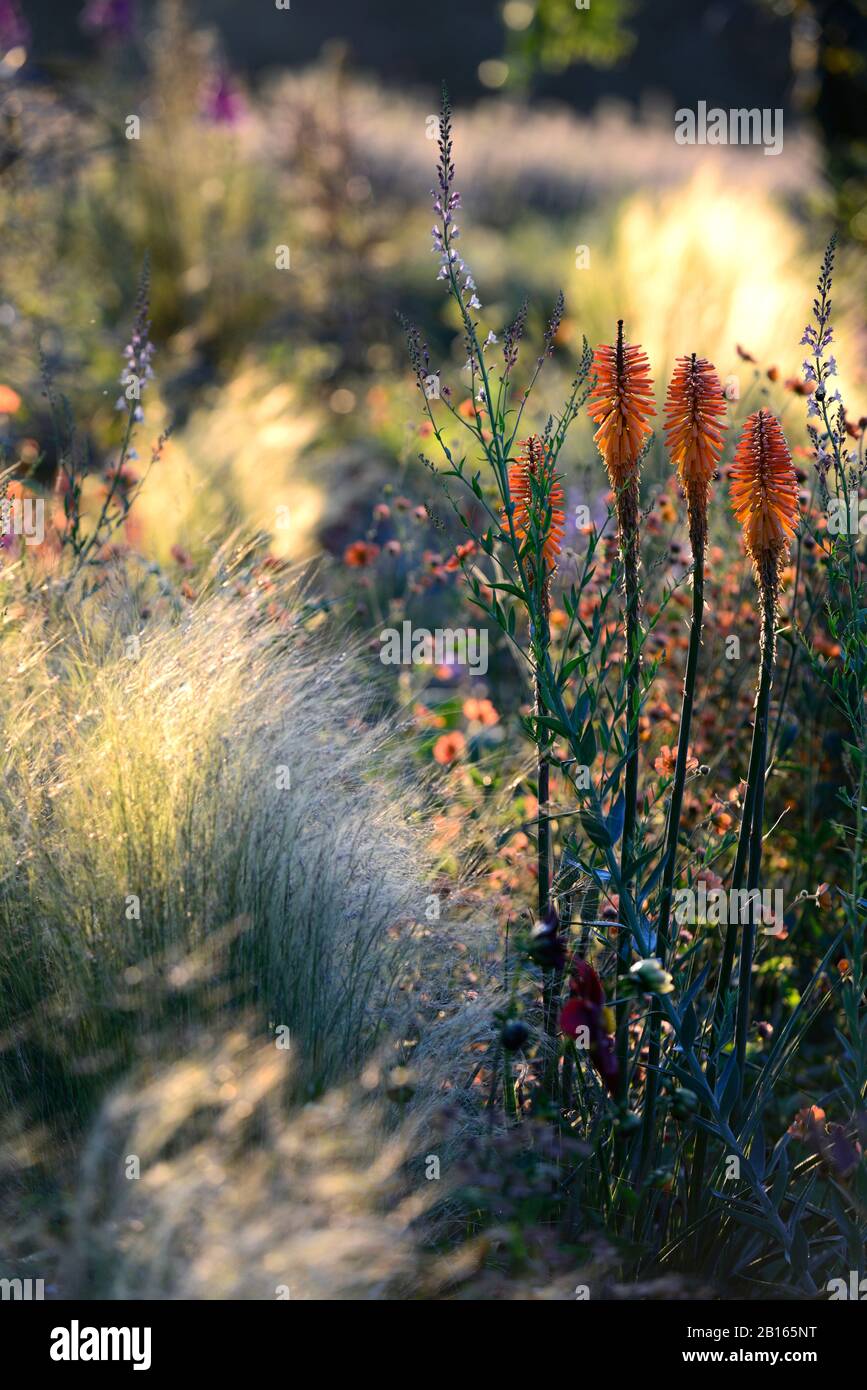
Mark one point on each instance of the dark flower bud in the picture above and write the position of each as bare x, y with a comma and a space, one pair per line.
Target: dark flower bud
684, 1104
546, 948
628, 1122
514, 1035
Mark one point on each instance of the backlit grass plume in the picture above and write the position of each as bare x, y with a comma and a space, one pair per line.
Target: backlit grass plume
181, 775
620, 404
764, 495
694, 411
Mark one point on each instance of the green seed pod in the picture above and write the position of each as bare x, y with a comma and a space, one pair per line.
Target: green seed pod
628, 1122
684, 1104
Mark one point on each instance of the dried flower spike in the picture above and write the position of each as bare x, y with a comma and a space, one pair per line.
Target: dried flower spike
764, 491
621, 403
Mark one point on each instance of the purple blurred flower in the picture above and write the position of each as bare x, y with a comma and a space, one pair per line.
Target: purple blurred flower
14, 29
111, 18
222, 101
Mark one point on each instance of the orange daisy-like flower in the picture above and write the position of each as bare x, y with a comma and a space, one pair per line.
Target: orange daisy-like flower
482, 711
360, 553
621, 403
10, 401
448, 747
764, 490
694, 408
537, 494
807, 1122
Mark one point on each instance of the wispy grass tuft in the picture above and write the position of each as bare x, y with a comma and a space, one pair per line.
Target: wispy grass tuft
161, 786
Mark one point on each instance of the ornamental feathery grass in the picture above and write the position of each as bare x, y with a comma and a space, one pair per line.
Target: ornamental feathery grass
161, 787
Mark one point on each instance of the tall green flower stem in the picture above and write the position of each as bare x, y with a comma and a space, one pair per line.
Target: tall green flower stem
551, 978
694, 411
769, 589
764, 496
627, 518
696, 1184
737, 882
620, 404
543, 774
748, 862
675, 809
510, 1100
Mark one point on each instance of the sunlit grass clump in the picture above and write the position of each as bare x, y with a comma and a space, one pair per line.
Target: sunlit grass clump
202, 778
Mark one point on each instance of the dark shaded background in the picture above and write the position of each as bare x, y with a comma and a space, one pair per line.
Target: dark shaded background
727, 52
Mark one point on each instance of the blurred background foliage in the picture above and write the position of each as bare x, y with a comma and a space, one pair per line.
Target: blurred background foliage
305, 129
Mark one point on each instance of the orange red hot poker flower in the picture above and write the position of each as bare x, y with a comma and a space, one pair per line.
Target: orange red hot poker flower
538, 507
694, 408
764, 490
621, 403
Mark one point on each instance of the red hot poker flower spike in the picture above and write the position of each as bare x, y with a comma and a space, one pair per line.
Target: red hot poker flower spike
694, 424
538, 497
764, 491
621, 403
